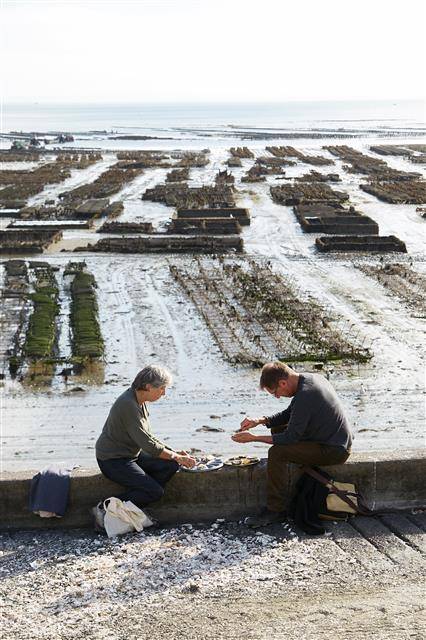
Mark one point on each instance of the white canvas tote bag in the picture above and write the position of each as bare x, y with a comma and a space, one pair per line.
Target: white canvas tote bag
123, 517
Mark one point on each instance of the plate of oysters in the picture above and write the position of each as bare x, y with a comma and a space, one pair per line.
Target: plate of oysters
242, 461
205, 463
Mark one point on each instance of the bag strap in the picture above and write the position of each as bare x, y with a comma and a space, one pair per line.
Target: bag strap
358, 508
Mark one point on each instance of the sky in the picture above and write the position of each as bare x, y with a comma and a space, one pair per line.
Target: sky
211, 50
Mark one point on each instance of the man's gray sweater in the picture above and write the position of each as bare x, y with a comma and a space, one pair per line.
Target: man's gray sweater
314, 414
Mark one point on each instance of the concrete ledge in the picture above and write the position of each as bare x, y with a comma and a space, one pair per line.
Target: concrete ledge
387, 480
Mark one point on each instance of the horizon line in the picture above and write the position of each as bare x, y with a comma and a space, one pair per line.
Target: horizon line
204, 102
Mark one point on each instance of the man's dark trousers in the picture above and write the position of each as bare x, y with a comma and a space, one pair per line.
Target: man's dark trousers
143, 478
304, 453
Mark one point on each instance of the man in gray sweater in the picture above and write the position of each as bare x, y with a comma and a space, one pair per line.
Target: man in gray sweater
313, 430
127, 451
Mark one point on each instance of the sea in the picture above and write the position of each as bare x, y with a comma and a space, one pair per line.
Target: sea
190, 121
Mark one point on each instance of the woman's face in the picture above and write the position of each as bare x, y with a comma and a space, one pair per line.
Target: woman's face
154, 393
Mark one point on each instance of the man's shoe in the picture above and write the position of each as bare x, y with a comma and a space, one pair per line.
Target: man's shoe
265, 518
98, 513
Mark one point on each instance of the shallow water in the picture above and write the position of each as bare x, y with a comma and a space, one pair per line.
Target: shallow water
171, 119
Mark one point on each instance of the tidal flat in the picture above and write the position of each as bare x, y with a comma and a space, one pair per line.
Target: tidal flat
146, 316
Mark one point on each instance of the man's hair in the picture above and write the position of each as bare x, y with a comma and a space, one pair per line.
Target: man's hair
153, 375
272, 373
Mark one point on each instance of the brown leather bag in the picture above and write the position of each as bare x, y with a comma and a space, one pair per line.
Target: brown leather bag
343, 499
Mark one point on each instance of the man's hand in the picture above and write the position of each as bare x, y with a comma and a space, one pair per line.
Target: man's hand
186, 461
249, 423
243, 436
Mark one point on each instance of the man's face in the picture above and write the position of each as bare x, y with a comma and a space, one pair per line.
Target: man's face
280, 390
154, 393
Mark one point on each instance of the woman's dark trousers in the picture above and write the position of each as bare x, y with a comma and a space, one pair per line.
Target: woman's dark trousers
143, 478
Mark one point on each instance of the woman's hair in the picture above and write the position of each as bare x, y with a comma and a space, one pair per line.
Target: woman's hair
272, 373
153, 375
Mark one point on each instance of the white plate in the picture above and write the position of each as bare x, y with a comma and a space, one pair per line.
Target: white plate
209, 465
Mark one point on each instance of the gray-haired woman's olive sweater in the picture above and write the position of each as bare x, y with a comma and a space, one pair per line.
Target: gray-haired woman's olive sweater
127, 431
314, 414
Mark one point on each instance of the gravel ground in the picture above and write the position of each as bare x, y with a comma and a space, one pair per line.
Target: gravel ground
220, 581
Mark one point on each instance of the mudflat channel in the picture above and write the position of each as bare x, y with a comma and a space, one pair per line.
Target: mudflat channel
146, 317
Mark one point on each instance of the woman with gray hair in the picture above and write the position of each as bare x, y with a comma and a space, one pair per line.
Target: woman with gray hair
128, 453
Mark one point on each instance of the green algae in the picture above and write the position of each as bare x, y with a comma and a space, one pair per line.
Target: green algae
41, 334
87, 339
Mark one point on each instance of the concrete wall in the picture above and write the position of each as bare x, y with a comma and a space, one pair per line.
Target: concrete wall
387, 480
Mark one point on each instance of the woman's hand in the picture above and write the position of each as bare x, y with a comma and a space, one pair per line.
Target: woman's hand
186, 461
243, 436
